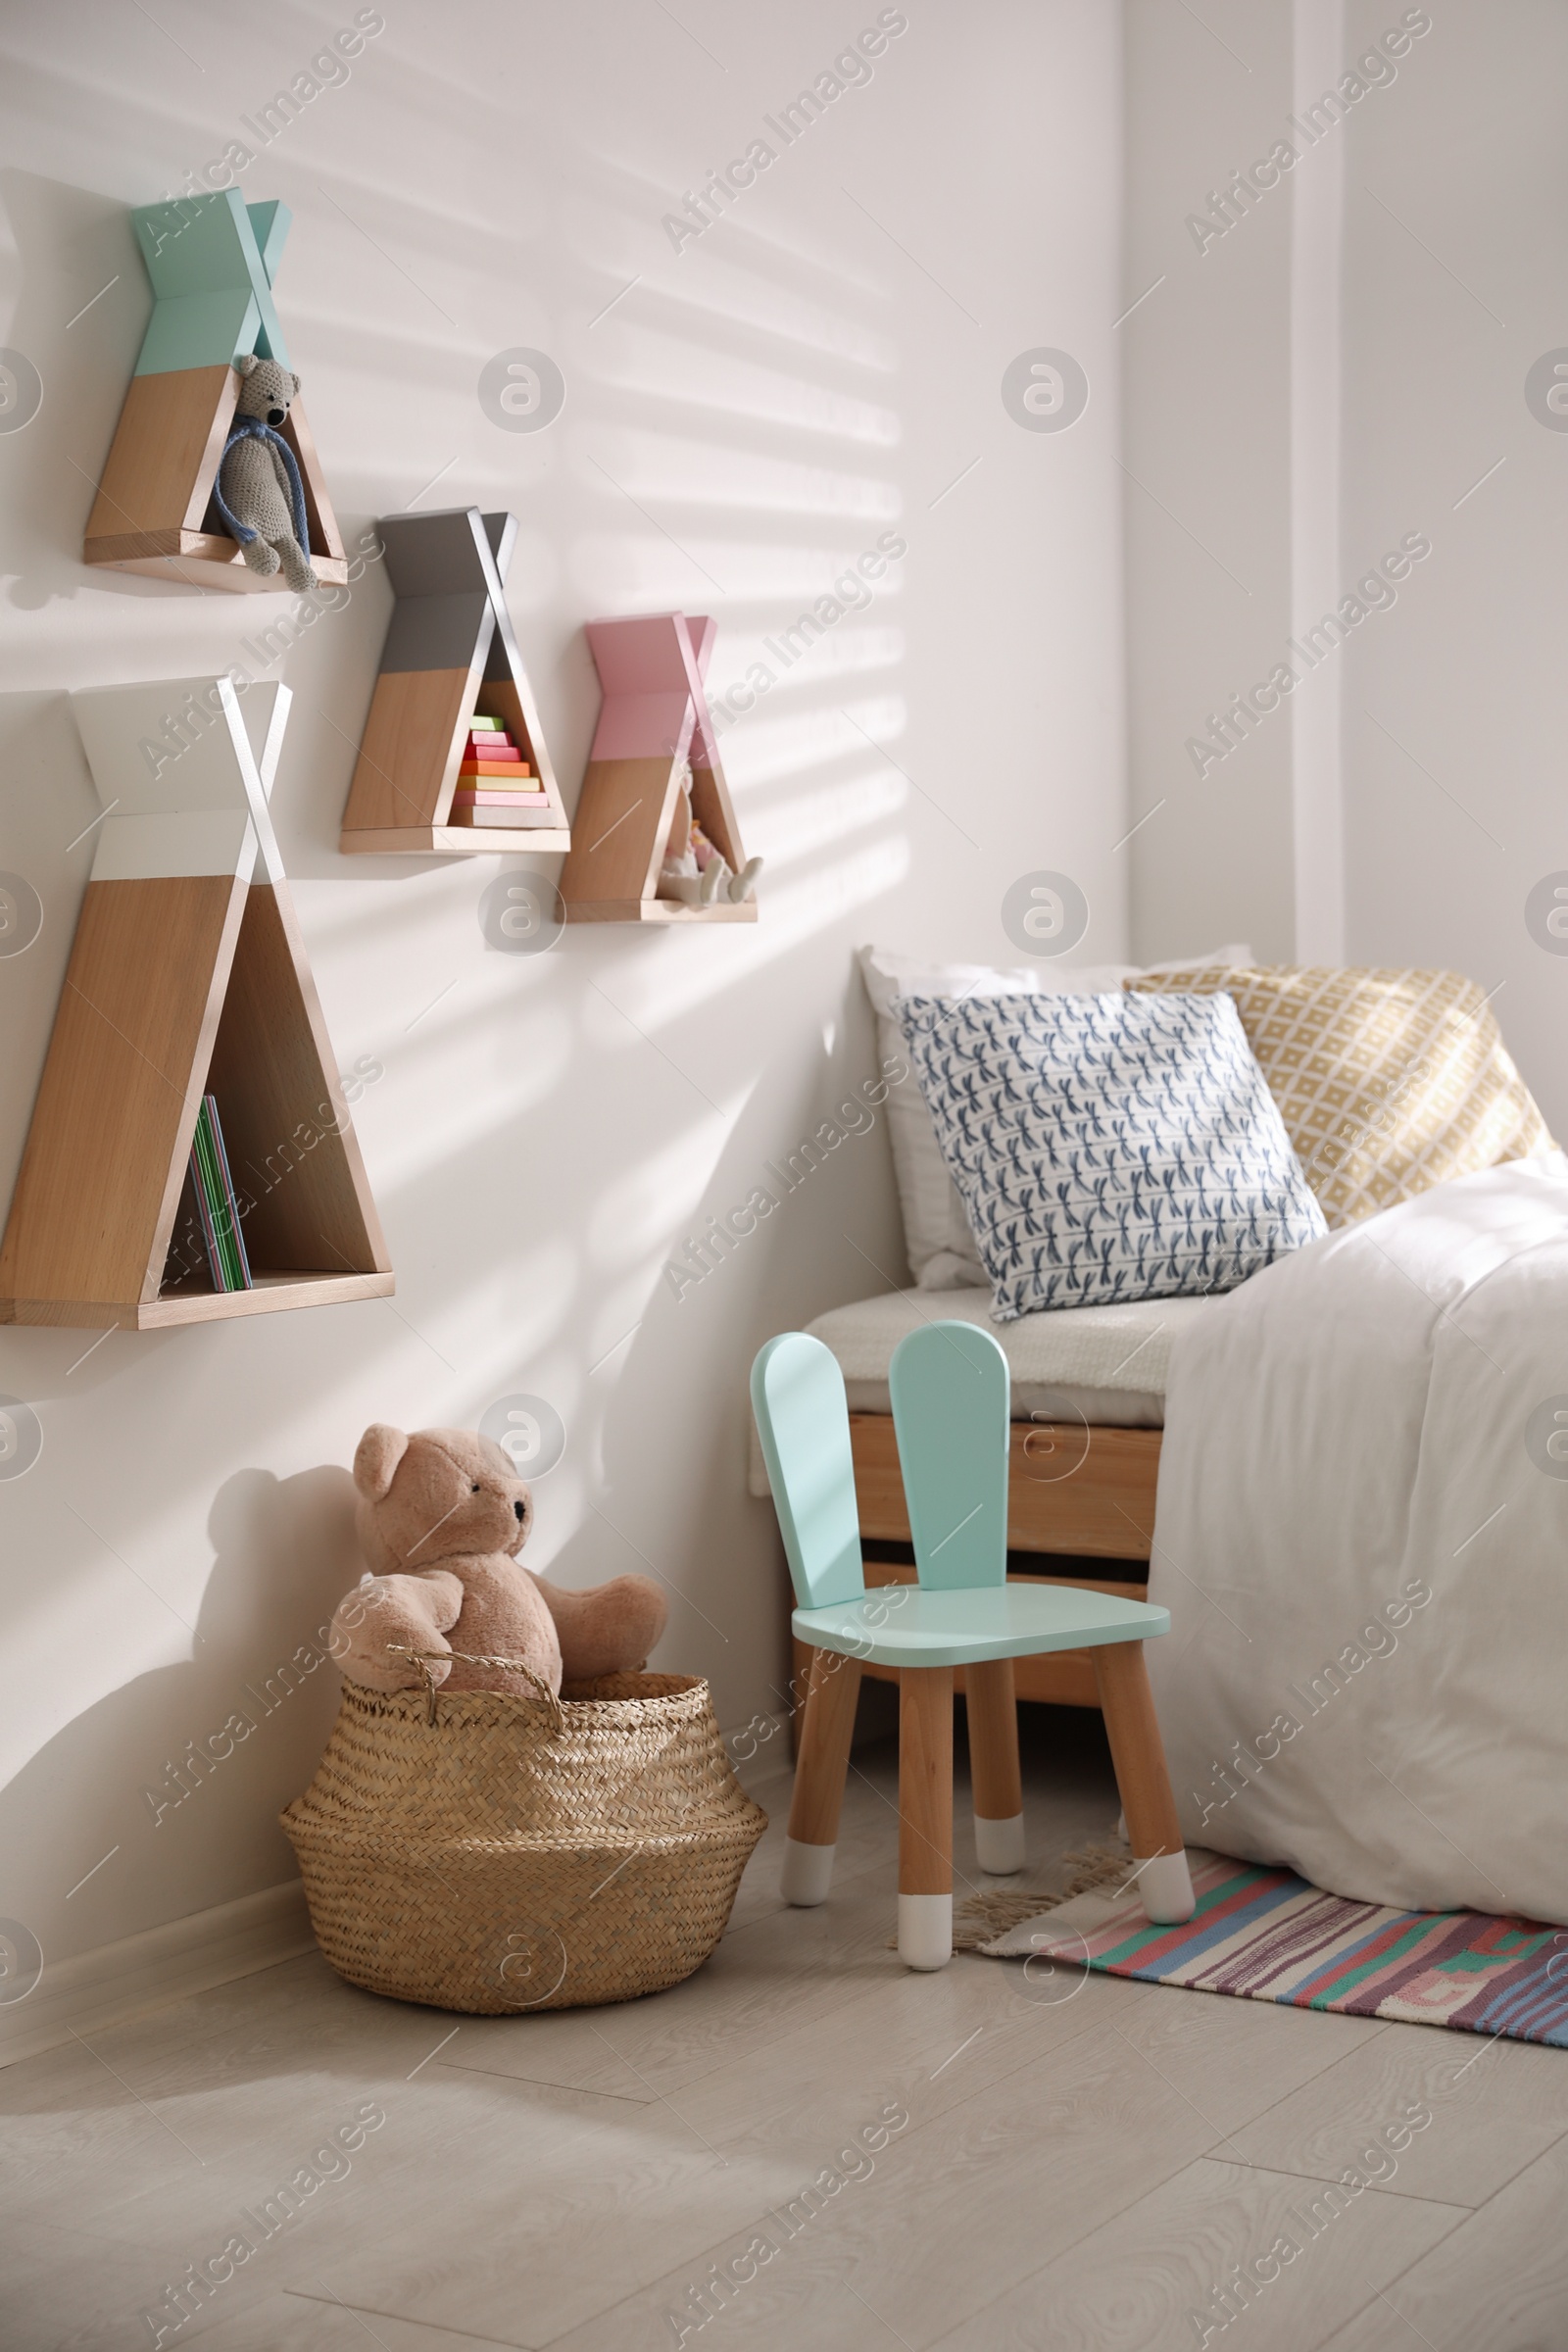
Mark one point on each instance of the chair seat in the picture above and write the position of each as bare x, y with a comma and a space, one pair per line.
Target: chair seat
910, 1625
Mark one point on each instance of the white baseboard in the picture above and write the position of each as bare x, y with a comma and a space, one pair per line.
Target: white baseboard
125, 1980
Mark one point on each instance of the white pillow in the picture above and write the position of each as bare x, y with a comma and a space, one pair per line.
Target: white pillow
936, 1230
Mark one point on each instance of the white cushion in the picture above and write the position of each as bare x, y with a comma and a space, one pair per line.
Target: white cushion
1102, 1365
936, 1230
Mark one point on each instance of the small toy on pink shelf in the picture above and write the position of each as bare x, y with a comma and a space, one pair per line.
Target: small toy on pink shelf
695, 873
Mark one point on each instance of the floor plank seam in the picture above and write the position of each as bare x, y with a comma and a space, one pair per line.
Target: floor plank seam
373, 2311
1378, 2294
576, 2090
1384, 2026
1107, 2221
1381, 2189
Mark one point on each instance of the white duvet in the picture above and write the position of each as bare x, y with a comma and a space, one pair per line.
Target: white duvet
1363, 1540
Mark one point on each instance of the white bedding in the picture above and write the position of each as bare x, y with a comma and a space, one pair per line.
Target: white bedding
1363, 1540
1101, 1364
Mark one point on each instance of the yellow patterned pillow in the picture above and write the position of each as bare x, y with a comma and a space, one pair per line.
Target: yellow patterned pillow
1388, 1082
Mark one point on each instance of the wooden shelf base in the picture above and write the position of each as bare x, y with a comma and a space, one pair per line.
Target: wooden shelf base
453, 841
274, 1295
657, 910
201, 560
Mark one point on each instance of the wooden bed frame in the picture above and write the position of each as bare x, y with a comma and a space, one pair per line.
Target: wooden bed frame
1086, 1492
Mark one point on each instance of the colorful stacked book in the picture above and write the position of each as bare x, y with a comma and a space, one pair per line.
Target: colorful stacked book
496, 785
213, 1207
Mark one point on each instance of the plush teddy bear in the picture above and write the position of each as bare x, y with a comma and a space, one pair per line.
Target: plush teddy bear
441, 1517
259, 493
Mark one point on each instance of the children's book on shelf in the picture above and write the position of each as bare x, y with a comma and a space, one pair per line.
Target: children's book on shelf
207, 1224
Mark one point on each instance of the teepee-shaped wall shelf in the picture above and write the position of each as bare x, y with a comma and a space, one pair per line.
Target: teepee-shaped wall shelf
451, 656
188, 975
211, 260
652, 720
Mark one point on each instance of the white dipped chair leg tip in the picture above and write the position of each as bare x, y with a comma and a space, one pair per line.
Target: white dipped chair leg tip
998, 1845
1166, 1886
808, 1874
925, 1930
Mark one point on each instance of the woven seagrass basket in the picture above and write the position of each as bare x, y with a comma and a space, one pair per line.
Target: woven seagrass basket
500, 1855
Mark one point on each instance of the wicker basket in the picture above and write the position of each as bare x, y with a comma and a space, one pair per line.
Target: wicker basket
497, 1854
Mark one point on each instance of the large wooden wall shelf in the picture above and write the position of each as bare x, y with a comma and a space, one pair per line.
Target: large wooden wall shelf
188, 975
211, 260
653, 725
451, 656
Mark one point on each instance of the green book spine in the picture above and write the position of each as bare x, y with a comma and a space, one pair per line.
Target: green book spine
230, 1198
212, 1192
224, 1211
215, 1247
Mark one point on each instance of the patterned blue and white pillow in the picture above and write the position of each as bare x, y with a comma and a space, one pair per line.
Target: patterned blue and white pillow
1109, 1147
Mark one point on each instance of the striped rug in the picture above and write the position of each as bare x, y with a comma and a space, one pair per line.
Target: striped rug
1267, 1935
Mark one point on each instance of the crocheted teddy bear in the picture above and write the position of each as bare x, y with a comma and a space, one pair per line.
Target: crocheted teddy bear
441, 1516
259, 493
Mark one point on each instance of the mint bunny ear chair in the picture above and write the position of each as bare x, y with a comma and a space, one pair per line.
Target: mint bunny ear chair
950, 1389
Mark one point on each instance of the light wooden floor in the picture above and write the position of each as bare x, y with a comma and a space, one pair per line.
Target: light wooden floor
1074, 2171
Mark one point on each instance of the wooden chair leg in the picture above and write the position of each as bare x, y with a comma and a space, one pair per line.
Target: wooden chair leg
802, 1661
992, 1705
925, 1816
823, 1761
1139, 1754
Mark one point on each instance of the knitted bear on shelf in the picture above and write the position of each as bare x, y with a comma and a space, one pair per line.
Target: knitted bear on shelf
259, 493
442, 1516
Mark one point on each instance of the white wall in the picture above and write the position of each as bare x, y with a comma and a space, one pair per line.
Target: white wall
1457, 702
816, 369
1337, 371
1207, 444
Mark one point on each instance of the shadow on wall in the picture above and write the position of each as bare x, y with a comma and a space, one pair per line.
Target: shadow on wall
175, 1779
731, 446
730, 1281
